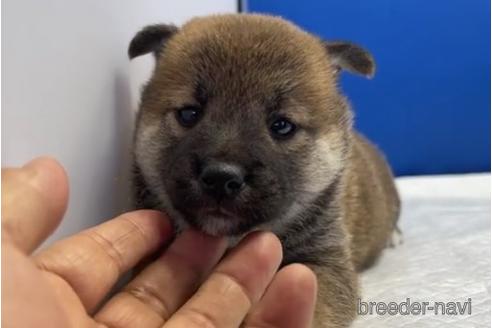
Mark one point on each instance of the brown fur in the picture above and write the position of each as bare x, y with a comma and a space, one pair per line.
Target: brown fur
326, 192
369, 193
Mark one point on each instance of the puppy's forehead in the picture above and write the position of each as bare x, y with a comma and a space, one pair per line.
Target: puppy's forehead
253, 56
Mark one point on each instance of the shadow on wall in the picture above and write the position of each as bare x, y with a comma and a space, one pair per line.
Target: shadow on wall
124, 116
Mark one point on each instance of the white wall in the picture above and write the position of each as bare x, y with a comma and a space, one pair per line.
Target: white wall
69, 90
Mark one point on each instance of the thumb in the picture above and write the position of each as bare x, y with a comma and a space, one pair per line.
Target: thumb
34, 199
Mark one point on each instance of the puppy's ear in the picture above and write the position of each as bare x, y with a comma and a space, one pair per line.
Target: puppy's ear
151, 38
351, 57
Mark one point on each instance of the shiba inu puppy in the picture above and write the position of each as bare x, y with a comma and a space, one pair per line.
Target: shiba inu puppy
242, 127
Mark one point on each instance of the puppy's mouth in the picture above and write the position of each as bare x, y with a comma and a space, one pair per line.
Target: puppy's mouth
214, 220
216, 211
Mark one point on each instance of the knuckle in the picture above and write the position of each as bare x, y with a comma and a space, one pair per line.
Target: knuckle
151, 298
259, 325
135, 227
232, 285
198, 318
108, 248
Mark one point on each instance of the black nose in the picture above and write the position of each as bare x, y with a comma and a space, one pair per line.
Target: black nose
221, 180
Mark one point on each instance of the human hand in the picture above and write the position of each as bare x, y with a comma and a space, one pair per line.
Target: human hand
187, 286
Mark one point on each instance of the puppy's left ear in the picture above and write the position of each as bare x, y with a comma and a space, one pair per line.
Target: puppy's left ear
151, 38
351, 57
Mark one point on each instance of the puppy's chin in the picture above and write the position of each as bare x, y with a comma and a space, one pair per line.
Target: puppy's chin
216, 223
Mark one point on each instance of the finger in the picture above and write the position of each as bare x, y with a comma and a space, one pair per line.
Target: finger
34, 199
237, 283
289, 300
93, 260
24, 292
161, 288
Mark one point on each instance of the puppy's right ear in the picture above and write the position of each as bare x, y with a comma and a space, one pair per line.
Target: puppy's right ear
151, 38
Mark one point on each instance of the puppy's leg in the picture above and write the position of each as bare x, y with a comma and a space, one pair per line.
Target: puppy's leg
337, 293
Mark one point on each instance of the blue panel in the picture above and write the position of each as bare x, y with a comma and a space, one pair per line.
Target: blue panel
428, 107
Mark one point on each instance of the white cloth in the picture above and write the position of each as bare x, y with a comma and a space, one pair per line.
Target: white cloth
444, 257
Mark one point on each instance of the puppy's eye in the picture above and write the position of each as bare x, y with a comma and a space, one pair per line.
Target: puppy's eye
282, 128
188, 116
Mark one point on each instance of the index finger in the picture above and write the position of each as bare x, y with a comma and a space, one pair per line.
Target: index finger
34, 199
234, 287
92, 261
